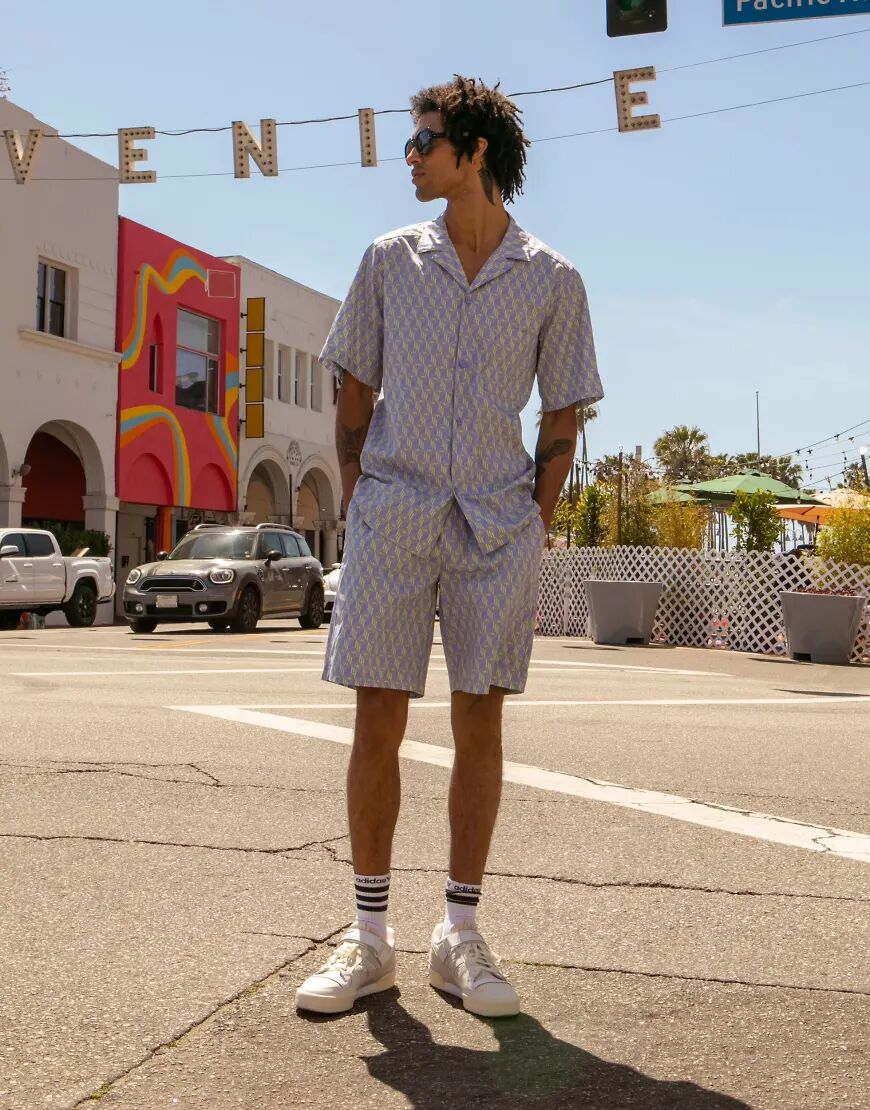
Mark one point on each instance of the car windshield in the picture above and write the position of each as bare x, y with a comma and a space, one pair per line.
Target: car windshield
215, 545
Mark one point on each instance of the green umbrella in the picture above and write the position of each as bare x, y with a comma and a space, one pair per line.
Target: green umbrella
749, 481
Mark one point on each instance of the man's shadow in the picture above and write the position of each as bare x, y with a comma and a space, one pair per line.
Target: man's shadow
531, 1068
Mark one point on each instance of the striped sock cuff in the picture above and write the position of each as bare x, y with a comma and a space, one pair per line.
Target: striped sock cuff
462, 894
372, 893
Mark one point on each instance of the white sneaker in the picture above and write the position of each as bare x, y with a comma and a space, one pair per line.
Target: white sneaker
461, 964
362, 964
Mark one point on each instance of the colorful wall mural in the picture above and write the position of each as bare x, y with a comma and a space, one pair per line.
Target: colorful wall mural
179, 374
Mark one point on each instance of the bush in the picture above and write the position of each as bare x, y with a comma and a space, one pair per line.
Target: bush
846, 538
756, 522
590, 524
70, 540
681, 524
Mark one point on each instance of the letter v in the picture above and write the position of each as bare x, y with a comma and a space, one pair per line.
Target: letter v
21, 157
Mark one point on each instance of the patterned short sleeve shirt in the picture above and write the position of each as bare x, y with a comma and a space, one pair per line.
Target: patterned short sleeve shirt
454, 364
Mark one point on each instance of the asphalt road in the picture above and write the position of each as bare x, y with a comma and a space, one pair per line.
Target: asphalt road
678, 885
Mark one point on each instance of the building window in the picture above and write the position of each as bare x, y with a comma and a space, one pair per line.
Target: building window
285, 363
316, 385
269, 371
196, 362
52, 290
154, 368
300, 376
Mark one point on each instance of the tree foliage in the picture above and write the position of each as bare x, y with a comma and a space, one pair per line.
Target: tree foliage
631, 518
681, 524
846, 537
756, 521
584, 518
683, 455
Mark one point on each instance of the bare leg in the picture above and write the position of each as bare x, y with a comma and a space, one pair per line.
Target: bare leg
475, 785
373, 788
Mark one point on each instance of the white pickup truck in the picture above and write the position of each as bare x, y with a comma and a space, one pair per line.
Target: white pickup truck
36, 578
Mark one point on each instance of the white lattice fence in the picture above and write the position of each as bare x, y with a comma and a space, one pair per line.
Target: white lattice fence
710, 597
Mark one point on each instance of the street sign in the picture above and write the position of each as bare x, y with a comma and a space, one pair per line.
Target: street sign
736, 13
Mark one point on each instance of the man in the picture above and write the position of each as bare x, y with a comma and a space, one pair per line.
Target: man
447, 324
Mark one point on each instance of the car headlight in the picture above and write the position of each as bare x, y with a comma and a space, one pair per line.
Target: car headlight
222, 575
134, 576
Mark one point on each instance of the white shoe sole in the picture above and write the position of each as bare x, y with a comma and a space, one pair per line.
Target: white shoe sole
482, 1009
323, 1004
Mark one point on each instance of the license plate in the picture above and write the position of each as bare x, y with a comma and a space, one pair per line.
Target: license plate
167, 601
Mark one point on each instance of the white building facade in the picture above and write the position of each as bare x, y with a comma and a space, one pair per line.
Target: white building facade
58, 363
291, 475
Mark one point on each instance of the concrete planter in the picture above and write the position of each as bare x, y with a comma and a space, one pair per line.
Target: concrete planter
821, 628
622, 612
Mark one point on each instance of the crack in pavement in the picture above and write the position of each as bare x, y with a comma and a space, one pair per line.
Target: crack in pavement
171, 843
330, 846
167, 1046
599, 969
626, 884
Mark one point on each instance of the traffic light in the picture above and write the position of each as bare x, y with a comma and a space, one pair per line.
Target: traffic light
636, 17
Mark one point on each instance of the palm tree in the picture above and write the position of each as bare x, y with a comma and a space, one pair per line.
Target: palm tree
682, 453
585, 415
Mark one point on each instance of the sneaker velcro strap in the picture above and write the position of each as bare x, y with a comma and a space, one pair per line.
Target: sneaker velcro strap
358, 935
453, 940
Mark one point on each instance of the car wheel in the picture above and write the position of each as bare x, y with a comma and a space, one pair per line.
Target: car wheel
247, 613
9, 619
81, 609
142, 624
219, 626
313, 615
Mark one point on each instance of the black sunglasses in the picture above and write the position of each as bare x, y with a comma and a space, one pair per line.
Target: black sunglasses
423, 141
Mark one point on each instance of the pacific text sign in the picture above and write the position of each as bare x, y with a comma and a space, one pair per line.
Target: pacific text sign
737, 12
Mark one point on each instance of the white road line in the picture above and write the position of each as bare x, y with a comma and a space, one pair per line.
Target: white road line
147, 649
760, 826
147, 673
516, 702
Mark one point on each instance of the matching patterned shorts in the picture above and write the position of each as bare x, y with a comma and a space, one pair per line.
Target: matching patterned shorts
384, 614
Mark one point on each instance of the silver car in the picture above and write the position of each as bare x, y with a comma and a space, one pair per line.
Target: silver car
228, 577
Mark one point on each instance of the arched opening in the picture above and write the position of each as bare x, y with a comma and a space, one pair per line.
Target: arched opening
55, 485
267, 494
315, 513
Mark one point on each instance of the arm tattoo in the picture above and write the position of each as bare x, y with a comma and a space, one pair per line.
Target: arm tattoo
488, 182
550, 452
349, 443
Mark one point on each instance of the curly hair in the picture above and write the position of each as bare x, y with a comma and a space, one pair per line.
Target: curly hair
471, 111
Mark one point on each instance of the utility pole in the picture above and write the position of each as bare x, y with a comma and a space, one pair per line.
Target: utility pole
619, 504
757, 429
864, 466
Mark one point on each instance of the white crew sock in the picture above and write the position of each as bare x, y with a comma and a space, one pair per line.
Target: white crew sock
461, 903
372, 893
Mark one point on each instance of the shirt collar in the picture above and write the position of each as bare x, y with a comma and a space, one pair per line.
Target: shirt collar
515, 246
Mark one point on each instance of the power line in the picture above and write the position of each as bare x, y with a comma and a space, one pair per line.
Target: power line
176, 133
827, 439
547, 139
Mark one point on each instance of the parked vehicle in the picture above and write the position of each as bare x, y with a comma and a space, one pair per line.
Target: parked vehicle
228, 576
36, 578
332, 580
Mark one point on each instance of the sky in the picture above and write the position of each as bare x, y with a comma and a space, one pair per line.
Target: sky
722, 254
